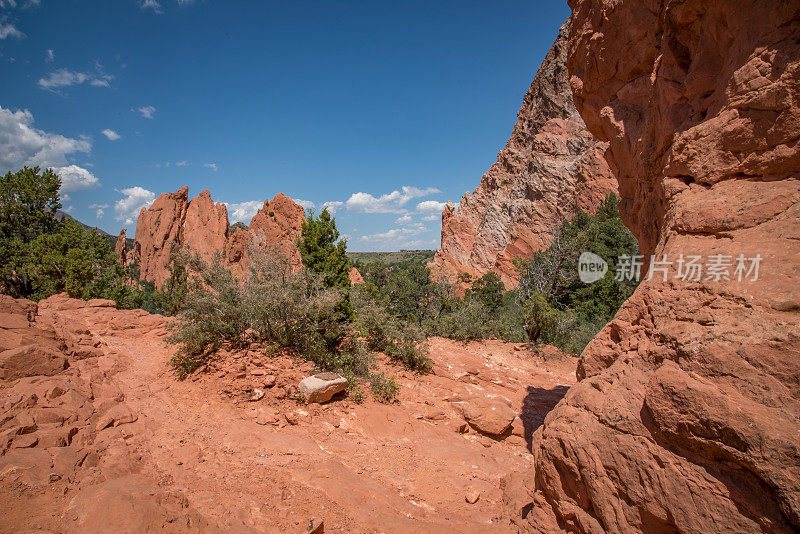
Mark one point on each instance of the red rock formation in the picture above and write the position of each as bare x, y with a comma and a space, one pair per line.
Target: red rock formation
202, 227
550, 168
121, 247
355, 276
158, 234
687, 414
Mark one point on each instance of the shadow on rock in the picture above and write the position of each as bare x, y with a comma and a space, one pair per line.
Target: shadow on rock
536, 405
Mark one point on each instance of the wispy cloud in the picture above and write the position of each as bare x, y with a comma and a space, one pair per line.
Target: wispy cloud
66, 78
332, 206
146, 111
151, 4
394, 235
11, 4
307, 204
8, 30
100, 209
49, 55
212, 166
181, 164
111, 134
74, 178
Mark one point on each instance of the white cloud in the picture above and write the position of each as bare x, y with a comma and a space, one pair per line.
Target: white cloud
394, 235
181, 164
212, 166
74, 178
243, 211
21, 144
10, 4
433, 217
100, 209
7, 30
307, 204
332, 206
146, 111
135, 199
67, 78
111, 134
389, 203
431, 206
151, 4
49, 55
405, 219
69, 209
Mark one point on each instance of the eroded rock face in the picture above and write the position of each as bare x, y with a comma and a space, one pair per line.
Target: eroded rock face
550, 168
687, 415
202, 227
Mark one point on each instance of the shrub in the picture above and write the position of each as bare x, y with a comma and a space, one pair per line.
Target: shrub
384, 389
292, 310
385, 333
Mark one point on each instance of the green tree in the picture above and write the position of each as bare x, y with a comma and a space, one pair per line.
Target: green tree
539, 315
28, 202
558, 306
75, 260
489, 289
322, 251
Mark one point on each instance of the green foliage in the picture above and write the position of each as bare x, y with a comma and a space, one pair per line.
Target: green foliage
74, 260
550, 305
384, 389
399, 340
539, 315
292, 310
235, 227
322, 250
489, 290
28, 202
400, 258
171, 298
559, 308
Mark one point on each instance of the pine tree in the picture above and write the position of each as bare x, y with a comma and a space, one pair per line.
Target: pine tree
322, 250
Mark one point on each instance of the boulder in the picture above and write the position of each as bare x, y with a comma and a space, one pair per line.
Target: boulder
322, 387
489, 416
31, 360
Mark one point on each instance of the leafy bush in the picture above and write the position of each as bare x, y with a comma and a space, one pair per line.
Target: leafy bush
383, 332
384, 389
292, 310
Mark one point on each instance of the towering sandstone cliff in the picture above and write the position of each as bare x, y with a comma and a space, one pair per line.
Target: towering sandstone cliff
201, 226
550, 168
687, 414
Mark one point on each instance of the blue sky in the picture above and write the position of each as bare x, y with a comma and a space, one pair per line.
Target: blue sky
385, 110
